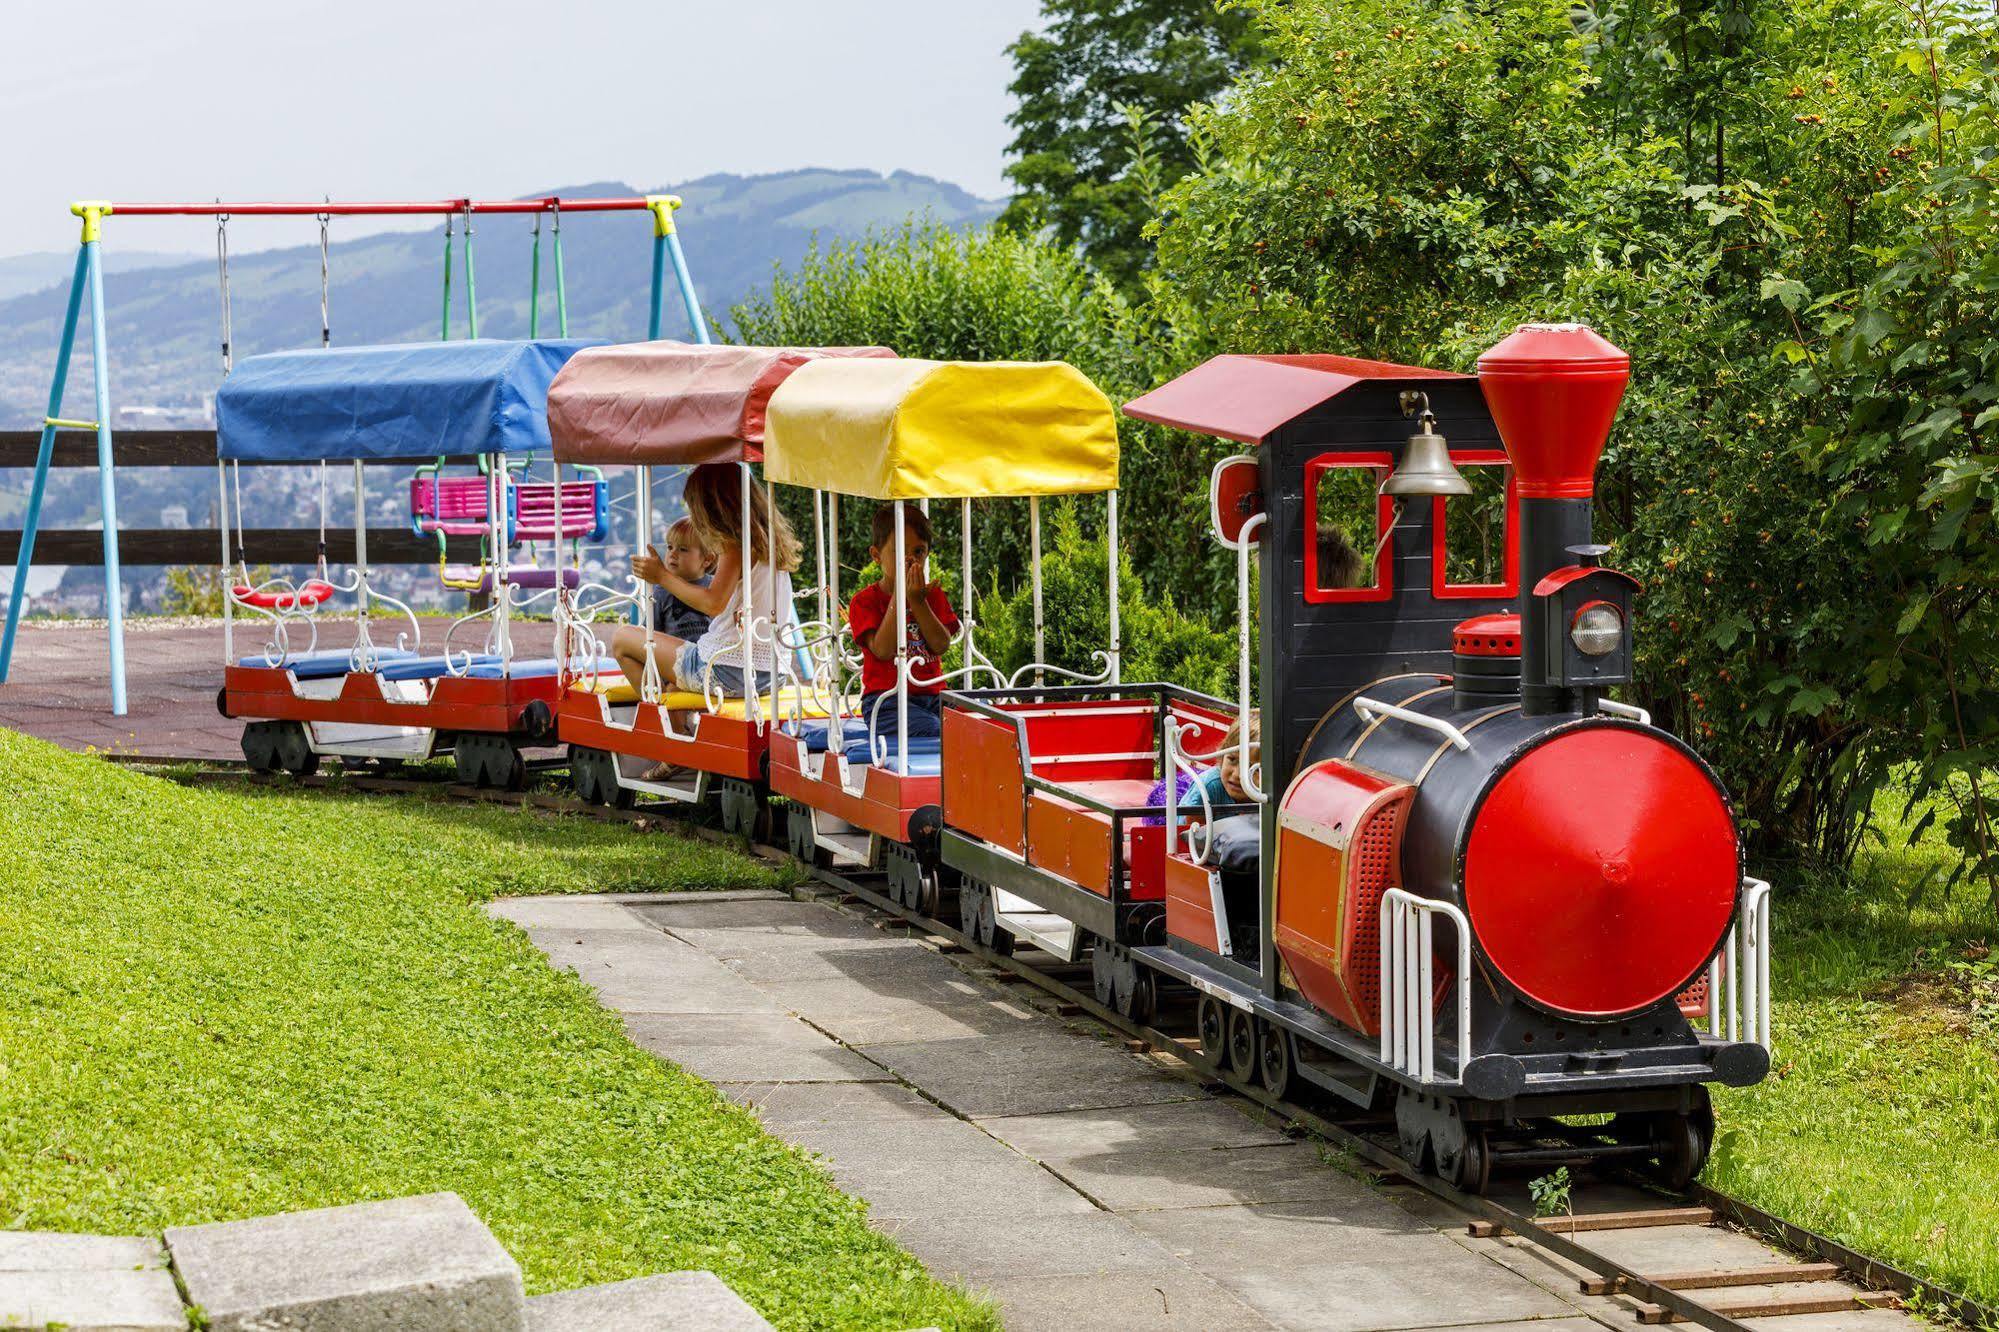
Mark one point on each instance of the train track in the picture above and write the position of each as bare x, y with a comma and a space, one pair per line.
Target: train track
1658, 1297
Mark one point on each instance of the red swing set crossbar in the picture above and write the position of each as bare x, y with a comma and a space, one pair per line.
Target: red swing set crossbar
382, 208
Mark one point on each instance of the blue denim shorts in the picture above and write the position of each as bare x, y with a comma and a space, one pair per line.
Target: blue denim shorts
688, 668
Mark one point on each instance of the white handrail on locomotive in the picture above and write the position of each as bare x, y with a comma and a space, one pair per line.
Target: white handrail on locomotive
1743, 966
1616, 709
1408, 985
1252, 772
1372, 709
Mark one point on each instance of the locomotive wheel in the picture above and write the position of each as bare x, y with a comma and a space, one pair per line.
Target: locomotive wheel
1273, 1058
1683, 1142
1214, 1026
1473, 1169
929, 893
1242, 1044
294, 752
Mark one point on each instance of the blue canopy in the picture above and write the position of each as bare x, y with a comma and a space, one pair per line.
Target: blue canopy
418, 400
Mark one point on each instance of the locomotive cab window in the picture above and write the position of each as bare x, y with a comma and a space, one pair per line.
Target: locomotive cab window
1473, 552
1348, 520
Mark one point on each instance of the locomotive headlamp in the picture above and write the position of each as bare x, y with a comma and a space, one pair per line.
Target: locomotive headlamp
1597, 629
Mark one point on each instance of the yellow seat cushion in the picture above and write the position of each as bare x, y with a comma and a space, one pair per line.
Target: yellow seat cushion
617, 689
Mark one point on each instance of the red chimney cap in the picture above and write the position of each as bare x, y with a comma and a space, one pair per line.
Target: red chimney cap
1560, 348
1553, 390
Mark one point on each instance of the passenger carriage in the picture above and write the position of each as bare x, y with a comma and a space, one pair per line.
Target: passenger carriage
647, 405
480, 402
863, 792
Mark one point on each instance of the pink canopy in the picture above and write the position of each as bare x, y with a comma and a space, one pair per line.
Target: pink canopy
671, 403
1245, 398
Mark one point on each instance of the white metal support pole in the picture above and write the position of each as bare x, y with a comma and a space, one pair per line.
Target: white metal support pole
502, 587
1117, 639
228, 599
1034, 555
833, 548
363, 644
641, 538
901, 646
559, 609
965, 593
776, 610
746, 619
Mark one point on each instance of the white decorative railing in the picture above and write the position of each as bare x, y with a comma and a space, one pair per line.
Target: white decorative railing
1409, 984
1738, 980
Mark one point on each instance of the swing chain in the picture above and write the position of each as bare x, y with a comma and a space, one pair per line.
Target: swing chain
325, 342
222, 273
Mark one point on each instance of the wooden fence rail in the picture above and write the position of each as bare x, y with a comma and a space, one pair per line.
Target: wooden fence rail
200, 546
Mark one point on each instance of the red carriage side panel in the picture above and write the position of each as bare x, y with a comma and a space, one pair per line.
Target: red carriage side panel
985, 793
1339, 848
1190, 902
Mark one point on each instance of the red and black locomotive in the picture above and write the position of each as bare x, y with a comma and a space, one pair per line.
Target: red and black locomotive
1470, 885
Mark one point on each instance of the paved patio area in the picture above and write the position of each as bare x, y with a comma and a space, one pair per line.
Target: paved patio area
59, 685
1080, 1184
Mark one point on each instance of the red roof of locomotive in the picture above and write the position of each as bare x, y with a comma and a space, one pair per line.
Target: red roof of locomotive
1245, 398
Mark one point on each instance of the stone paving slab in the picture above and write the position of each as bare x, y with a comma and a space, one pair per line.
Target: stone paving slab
556, 914
1357, 1266
87, 1283
1204, 1177
424, 1264
686, 1300
92, 1301
1128, 1301
1175, 1125
783, 1105
938, 1166
1034, 1073
749, 1047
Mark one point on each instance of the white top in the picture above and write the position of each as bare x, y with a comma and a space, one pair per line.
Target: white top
722, 636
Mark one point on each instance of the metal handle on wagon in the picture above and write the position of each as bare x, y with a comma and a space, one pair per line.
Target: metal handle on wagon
1370, 709
1616, 709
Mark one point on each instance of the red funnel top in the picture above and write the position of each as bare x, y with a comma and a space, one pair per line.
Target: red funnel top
1553, 390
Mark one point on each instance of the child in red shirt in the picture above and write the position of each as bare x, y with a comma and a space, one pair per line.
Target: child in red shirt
932, 622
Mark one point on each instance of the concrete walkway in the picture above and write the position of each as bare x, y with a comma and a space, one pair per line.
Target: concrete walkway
1080, 1184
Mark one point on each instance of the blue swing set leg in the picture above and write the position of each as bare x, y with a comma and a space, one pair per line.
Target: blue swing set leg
89, 275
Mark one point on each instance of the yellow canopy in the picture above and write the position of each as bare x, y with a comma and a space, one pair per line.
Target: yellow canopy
913, 429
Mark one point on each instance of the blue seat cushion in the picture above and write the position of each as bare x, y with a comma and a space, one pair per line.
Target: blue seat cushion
322, 665
424, 668
926, 753
814, 734
531, 668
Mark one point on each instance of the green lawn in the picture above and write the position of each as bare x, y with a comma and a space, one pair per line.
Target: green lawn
223, 1003
1880, 1123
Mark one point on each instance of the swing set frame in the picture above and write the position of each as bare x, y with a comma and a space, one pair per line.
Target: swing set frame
87, 281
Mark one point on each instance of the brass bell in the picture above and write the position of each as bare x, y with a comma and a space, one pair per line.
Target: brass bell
1426, 467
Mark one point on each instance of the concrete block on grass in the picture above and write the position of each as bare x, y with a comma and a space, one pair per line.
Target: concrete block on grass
423, 1264
87, 1283
674, 1302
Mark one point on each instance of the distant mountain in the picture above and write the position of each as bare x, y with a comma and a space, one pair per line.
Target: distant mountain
163, 324
31, 272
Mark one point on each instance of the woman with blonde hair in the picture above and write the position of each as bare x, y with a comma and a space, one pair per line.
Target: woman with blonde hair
733, 598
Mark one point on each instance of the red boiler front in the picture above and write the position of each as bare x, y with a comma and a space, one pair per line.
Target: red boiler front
1601, 871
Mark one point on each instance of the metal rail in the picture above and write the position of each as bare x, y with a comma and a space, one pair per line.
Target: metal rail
1871, 1273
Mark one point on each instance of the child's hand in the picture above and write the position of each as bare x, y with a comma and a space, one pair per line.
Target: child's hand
913, 579
649, 567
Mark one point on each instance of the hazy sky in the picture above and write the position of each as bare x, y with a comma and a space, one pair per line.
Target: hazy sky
145, 99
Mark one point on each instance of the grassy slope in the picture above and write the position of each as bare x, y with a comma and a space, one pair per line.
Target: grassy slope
1880, 1126
215, 1004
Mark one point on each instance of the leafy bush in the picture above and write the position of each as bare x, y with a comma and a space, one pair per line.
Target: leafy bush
1784, 213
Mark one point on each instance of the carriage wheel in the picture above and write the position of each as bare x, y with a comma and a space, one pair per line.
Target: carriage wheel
468, 758
1242, 1045
260, 747
508, 767
1214, 1027
294, 751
